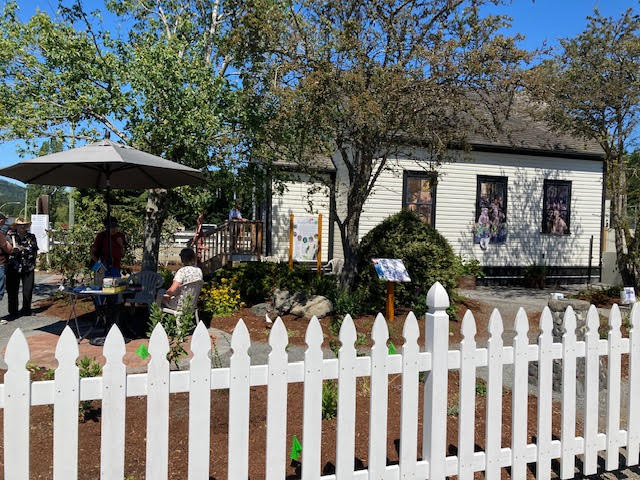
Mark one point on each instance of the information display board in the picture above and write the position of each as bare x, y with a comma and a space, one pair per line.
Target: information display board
305, 239
391, 269
40, 227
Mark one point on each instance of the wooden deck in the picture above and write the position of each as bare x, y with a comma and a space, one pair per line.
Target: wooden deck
234, 240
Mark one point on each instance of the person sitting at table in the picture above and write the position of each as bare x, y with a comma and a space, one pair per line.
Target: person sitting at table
21, 266
100, 248
187, 274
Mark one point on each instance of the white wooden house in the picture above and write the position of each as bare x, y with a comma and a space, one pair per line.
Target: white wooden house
528, 197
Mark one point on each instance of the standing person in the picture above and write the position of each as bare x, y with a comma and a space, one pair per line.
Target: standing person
21, 266
5, 249
100, 248
234, 213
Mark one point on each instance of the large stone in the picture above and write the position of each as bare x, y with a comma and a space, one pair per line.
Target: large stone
261, 309
316, 305
283, 301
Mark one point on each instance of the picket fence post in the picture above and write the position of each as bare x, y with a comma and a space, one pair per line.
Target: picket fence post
346, 423
633, 407
277, 402
114, 401
409, 405
568, 431
379, 400
467, 397
17, 402
239, 403
520, 397
591, 392
312, 410
434, 442
545, 380
157, 464
493, 418
613, 389
199, 404
65, 408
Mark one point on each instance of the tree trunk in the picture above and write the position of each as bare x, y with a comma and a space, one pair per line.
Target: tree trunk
349, 233
625, 253
156, 213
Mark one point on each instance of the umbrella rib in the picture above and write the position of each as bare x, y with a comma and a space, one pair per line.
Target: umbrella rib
158, 185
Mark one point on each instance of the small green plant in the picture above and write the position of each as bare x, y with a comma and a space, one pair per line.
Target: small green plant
361, 340
452, 410
88, 367
365, 386
471, 267
481, 388
177, 328
351, 303
335, 324
329, 399
334, 346
221, 299
167, 277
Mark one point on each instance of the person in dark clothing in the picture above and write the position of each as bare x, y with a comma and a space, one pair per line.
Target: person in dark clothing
21, 266
100, 248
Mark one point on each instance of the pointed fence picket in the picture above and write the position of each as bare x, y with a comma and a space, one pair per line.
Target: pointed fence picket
591, 392
114, 396
467, 398
65, 408
519, 397
18, 393
568, 435
277, 402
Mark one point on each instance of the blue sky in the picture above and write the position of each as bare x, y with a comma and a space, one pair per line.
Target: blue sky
539, 21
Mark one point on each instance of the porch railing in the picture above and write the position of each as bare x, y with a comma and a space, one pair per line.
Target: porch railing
217, 247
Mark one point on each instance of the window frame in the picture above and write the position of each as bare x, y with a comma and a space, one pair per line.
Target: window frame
493, 179
432, 177
553, 182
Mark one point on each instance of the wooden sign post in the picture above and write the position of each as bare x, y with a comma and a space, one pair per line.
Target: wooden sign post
291, 241
391, 270
390, 300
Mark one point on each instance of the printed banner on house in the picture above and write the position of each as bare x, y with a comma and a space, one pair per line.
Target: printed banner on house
305, 239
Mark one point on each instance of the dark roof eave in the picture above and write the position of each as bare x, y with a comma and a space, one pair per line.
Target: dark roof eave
538, 152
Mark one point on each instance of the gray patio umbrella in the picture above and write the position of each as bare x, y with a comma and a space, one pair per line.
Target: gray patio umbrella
104, 165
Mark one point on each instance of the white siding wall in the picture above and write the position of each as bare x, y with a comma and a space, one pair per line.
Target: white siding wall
296, 199
455, 207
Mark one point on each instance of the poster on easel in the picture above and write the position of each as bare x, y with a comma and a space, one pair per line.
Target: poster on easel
305, 239
40, 228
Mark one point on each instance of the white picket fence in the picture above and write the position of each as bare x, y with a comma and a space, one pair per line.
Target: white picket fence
18, 393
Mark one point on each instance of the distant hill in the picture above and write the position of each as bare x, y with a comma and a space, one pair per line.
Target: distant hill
10, 192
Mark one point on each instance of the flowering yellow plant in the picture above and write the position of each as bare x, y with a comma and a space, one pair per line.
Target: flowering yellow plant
220, 300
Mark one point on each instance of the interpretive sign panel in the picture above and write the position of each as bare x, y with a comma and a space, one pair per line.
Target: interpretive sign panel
305, 239
391, 269
40, 227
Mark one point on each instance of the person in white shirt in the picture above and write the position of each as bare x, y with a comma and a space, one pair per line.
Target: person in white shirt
187, 274
234, 213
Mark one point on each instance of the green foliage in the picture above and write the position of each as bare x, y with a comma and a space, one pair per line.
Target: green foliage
453, 410
481, 388
221, 299
167, 277
329, 399
599, 296
88, 367
427, 256
472, 267
69, 254
177, 328
352, 303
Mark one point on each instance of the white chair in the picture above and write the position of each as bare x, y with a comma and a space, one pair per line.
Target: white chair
150, 282
334, 266
187, 290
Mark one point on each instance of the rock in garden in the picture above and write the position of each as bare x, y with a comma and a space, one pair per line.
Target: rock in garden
316, 305
283, 301
261, 309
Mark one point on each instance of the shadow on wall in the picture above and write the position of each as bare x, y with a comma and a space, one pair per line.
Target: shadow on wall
526, 245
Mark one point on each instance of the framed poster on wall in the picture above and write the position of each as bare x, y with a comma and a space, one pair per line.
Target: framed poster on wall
490, 224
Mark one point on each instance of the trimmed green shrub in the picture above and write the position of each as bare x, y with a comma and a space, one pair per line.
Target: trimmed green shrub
427, 255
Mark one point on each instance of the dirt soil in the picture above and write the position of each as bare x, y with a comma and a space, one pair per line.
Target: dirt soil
89, 432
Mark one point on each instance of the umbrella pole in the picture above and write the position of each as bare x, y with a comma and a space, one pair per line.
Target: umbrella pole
108, 225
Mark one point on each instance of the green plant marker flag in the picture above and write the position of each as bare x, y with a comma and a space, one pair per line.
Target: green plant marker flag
142, 351
296, 449
392, 349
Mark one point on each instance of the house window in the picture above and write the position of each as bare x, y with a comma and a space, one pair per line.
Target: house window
491, 211
419, 195
556, 207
